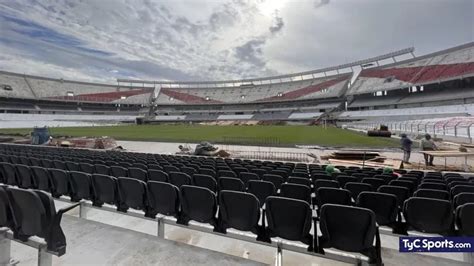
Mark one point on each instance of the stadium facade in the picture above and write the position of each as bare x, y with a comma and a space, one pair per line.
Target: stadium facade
439, 84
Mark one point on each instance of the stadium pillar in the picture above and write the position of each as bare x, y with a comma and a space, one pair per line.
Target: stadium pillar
44, 258
5, 250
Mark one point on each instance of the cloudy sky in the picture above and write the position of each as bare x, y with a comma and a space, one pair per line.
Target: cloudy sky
101, 40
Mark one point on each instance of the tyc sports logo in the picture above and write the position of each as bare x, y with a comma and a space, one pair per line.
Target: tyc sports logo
436, 244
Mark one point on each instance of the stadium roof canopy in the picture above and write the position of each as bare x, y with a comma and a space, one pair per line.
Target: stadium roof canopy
344, 68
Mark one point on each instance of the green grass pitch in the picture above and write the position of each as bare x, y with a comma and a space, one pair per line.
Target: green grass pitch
285, 135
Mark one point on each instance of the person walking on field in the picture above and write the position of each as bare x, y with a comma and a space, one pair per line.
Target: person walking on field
406, 144
427, 144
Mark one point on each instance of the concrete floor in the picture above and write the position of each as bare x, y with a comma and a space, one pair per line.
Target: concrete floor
110, 238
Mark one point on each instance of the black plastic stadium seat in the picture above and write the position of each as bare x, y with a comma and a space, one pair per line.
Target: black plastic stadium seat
406, 184
60, 182
206, 181
325, 183
157, 175
460, 189
198, 204
432, 194
102, 169
401, 193
188, 170
178, 179
300, 181
239, 210
105, 189
6, 216
385, 206
465, 219
344, 179
326, 195
42, 178
163, 198
429, 215
350, 229
132, 194
81, 186
374, 182
207, 171
289, 219
118, 171
25, 176
229, 183
275, 179
9, 173
261, 190
296, 191
463, 198
246, 177
357, 188
72, 166
86, 168
226, 173
138, 173
431, 185
35, 215
59, 164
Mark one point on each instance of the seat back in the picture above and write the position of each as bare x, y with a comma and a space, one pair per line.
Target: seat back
460, 189
198, 204
289, 219
463, 198
429, 215
72, 166
326, 195
374, 182
179, 179
300, 181
385, 206
229, 183
296, 191
118, 171
9, 174
132, 194
347, 228
432, 193
60, 181
157, 175
261, 190
163, 198
25, 176
401, 193
465, 219
246, 177
138, 173
357, 188
105, 189
432, 185
41, 177
6, 216
320, 183
205, 181
102, 169
275, 179
81, 186
344, 179
87, 168
239, 210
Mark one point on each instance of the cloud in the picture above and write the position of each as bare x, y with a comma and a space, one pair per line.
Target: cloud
209, 40
320, 3
277, 24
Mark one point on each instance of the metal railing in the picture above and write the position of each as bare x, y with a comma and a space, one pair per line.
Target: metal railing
462, 128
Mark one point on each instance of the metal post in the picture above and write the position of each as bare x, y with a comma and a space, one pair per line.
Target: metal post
5, 250
279, 255
44, 258
160, 227
82, 211
468, 257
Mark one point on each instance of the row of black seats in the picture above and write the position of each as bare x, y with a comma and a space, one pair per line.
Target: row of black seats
33, 213
388, 203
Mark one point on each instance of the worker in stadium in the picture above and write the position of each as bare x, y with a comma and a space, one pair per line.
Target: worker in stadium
330, 170
427, 144
406, 144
